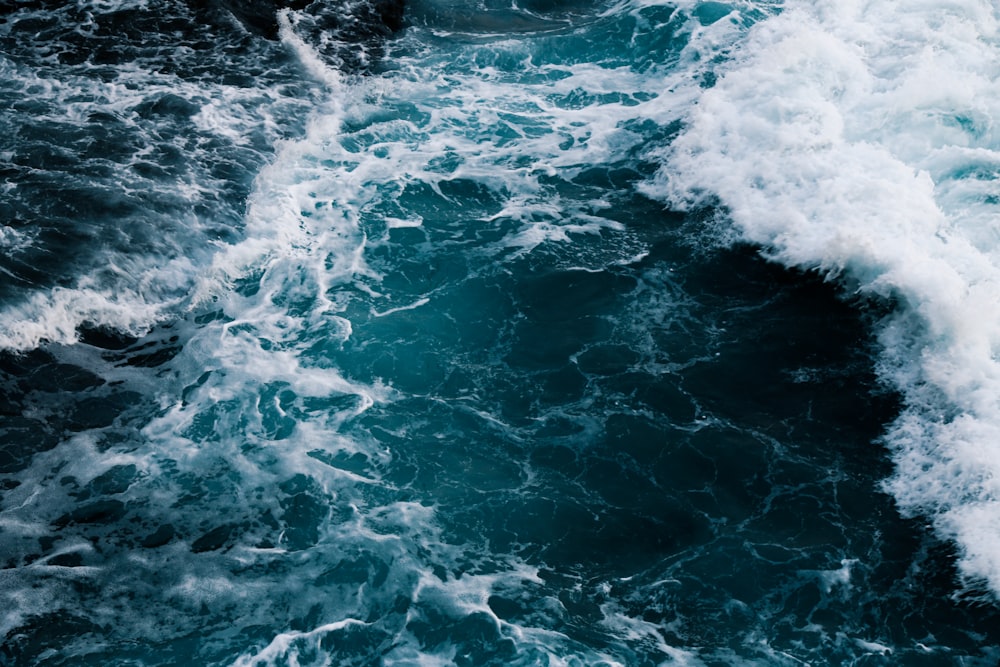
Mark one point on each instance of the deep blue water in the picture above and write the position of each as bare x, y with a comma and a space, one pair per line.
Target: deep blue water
546, 333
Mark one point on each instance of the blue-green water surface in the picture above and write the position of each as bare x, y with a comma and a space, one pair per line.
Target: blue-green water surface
406, 365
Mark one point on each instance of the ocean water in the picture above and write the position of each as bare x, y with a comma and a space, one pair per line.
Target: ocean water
554, 332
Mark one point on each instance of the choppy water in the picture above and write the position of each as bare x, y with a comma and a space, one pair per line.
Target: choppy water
331, 343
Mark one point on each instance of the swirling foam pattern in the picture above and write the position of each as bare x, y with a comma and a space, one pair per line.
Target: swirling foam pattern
455, 345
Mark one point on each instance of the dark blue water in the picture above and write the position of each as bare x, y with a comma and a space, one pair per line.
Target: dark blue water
533, 334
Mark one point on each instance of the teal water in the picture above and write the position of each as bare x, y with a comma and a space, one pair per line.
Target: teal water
443, 374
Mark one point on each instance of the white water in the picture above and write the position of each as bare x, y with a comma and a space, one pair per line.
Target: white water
853, 138
237, 408
137, 268
860, 139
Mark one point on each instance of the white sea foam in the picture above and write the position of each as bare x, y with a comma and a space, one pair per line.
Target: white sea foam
859, 139
329, 198
284, 644
316, 212
137, 264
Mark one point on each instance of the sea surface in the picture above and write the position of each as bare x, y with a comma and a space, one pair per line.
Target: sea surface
546, 332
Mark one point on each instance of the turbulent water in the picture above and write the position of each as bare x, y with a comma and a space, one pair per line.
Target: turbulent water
555, 332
